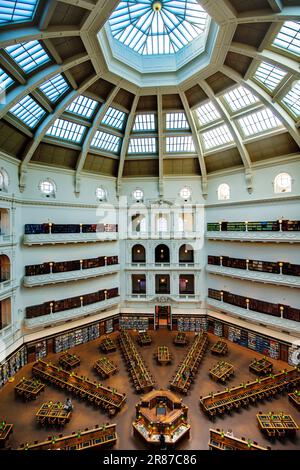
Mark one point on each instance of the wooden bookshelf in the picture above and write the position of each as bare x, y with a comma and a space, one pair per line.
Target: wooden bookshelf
67, 266
100, 436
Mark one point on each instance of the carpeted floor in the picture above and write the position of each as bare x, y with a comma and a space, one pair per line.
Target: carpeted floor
242, 423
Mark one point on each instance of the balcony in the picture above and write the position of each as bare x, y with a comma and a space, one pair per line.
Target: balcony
277, 323
81, 274
163, 266
154, 235
256, 276
71, 314
164, 297
265, 237
6, 240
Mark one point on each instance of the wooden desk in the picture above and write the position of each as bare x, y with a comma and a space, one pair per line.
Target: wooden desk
248, 393
100, 436
108, 345
277, 424
163, 355
225, 441
105, 367
141, 377
104, 397
144, 339
69, 361
221, 371
187, 370
53, 413
261, 366
180, 339
29, 388
5, 431
295, 399
220, 348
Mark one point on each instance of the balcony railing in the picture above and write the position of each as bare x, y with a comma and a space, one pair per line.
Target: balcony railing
40, 234
268, 231
163, 266
6, 239
168, 297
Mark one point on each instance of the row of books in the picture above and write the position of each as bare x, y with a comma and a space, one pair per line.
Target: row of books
218, 329
257, 226
11, 366
65, 266
255, 342
256, 265
134, 323
77, 337
33, 229
192, 324
109, 326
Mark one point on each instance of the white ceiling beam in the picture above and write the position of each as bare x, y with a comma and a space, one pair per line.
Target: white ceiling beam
44, 126
15, 36
276, 5
47, 13
125, 143
12, 69
197, 141
234, 131
99, 14
17, 93
221, 10
160, 143
267, 100
90, 135
272, 57
261, 16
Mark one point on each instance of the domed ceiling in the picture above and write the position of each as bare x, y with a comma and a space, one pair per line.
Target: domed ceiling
124, 89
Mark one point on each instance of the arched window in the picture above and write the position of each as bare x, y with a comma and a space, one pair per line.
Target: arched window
161, 224
3, 180
138, 223
186, 254
47, 187
162, 254
138, 254
4, 268
223, 192
283, 183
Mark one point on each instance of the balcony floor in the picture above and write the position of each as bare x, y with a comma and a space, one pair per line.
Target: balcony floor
242, 423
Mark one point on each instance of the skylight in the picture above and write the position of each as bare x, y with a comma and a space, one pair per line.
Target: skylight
16, 11
180, 144
114, 118
292, 99
216, 137
239, 98
55, 87
28, 111
269, 75
5, 80
176, 121
66, 130
157, 27
288, 37
28, 55
142, 145
105, 141
258, 122
207, 113
83, 106
144, 122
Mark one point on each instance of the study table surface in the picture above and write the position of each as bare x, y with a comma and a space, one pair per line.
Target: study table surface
220, 348
69, 361
261, 366
226, 441
144, 338
180, 339
108, 345
29, 388
53, 413
295, 399
221, 371
5, 431
276, 421
163, 355
105, 367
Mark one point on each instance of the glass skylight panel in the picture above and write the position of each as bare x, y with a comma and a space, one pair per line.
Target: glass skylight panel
114, 118
292, 99
239, 98
258, 122
66, 130
288, 37
16, 10
180, 144
103, 140
158, 27
216, 137
83, 106
28, 55
207, 113
269, 75
142, 145
144, 122
176, 121
55, 87
5, 80
28, 111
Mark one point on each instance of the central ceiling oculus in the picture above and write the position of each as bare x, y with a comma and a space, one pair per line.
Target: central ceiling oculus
158, 27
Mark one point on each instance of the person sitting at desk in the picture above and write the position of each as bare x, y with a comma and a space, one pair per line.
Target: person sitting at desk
68, 405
